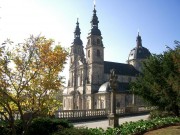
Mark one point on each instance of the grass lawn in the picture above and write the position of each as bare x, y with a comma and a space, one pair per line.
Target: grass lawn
172, 130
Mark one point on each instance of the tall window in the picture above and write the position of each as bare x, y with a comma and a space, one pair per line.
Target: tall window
87, 104
78, 51
88, 53
72, 78
71, 60
118, 104
81, 77
102, 104
64, 102
98, 53
88, 41
98, 41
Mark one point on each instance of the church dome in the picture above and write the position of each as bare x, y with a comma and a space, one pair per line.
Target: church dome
139, 52
121, 87
104, 88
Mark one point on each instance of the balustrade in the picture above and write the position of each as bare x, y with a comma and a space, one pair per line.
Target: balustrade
97, 113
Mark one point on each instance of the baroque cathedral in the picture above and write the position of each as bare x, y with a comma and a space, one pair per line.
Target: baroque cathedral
88, 84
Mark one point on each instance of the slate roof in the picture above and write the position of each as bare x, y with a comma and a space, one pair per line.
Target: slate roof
95, 31
121, 68
77, 41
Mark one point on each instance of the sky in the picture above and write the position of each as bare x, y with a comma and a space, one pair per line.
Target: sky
158, 22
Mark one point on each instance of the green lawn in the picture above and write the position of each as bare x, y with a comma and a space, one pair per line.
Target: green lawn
172, 130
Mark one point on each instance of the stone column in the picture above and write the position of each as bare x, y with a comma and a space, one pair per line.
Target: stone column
113, 119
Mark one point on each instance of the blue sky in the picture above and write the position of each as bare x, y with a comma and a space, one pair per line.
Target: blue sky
158, 22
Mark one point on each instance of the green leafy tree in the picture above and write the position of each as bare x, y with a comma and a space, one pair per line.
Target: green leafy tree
29, 79
159, 82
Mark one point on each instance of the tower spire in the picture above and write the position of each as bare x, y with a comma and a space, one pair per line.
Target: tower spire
139, 40
77, 34
94, 2
77, 29
94, 23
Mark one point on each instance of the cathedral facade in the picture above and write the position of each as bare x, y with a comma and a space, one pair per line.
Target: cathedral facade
88, 84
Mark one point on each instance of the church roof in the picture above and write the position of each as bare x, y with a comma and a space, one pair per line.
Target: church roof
121, 88
121, 68
95, 31
77, 41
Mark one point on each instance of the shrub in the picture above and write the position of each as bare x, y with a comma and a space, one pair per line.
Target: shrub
39, 126
128, 128
63, 123
79, 131
143, 126
160, 114
4, 130
46, 126
19, 127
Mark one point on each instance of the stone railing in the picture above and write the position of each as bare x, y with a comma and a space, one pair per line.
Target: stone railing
93, 114
97, 113
79, 114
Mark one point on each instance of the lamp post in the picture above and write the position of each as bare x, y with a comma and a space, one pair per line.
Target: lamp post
113, 119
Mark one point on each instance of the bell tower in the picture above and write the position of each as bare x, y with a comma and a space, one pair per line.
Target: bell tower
76, 57
94, 56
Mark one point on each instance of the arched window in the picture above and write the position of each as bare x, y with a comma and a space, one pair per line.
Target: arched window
88, 53
98, 41
72, 76
129, 79
118, 104
89, 41
102, 104
98, 53
71, 60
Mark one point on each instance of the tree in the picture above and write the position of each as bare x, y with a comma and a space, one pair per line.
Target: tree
29, 79
159, 82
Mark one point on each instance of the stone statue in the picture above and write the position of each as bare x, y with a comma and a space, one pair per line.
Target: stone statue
113, 118
113, 79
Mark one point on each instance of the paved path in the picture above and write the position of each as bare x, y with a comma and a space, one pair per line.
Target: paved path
105, 123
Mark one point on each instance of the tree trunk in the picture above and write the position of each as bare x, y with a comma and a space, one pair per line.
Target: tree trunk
13, 127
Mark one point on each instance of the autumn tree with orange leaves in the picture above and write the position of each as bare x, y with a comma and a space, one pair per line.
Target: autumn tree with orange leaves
29, 79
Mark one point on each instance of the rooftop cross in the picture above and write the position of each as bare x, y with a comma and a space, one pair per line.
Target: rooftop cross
138, 31
94, 2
